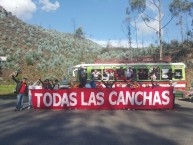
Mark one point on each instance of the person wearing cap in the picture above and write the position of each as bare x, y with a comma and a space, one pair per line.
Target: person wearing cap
21, 90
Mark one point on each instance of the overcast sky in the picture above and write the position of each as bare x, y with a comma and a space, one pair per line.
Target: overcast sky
102, 20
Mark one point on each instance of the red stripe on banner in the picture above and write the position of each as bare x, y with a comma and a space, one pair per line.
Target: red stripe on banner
103, 98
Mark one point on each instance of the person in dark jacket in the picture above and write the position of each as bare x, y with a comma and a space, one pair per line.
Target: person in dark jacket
21, 90
46, 84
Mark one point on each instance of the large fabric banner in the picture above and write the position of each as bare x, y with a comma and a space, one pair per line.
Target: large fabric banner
115, 98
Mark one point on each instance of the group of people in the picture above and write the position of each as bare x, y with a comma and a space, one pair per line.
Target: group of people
24, 89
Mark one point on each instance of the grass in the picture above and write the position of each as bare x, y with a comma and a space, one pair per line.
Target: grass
6, 92
6, 89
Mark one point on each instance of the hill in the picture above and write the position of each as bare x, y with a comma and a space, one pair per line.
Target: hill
44, 53
40, 52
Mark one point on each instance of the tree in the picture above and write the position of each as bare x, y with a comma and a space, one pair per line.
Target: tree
140, 6
179, 8
79, 33
128, 20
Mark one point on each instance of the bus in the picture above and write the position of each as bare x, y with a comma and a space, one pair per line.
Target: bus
162, 72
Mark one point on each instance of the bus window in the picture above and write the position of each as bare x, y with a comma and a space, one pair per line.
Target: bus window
178, 74
143, 74
108, 74
120, 74
129, 73
96, 74
157, 73
167, 74
134, 75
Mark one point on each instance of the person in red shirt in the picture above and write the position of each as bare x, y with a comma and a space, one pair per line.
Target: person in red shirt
99, 85
21, 90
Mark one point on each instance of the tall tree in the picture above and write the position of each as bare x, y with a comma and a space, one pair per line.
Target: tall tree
140, 6
79, 36
79, 32
180, 8
129, 19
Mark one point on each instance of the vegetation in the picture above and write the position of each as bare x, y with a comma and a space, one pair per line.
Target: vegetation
6, 89
45, 53
178, 9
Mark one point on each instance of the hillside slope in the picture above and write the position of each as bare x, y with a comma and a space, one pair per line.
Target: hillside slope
47, 53
40, 52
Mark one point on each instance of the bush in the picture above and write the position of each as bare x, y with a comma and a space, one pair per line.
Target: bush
29, 60
29, 57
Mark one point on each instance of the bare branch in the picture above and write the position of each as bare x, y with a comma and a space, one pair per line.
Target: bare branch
155, 4
146, 23
148, 16
167, 23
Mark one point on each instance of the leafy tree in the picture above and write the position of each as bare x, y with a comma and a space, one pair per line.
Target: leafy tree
79, 33
140, 6
178, 9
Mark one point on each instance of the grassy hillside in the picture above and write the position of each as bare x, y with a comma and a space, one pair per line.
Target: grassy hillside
40, 52
43, 53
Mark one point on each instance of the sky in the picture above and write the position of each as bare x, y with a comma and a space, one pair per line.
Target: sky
103, 21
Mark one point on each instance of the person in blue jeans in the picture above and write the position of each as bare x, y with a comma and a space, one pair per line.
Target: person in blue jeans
21, 90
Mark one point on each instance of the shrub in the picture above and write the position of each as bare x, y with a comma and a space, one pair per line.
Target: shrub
29, 60
29, 57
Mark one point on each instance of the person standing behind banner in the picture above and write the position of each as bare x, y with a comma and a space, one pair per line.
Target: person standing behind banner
82, 77
93, 84
56, 85
135, 85
30, 87
88, 85
129, 84
108, 84
37, 85
46, 84
173, 84
21, 90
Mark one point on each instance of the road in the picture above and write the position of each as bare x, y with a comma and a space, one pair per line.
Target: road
105, 127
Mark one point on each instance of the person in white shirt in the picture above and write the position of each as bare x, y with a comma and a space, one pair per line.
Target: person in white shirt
129, 73
56, 85
32, 86
96, 74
